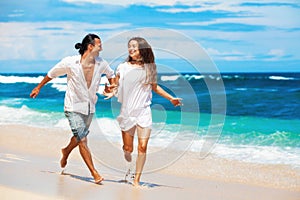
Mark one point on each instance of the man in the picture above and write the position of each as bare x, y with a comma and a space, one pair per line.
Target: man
84, 73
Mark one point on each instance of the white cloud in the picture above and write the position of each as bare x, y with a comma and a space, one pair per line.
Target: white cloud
134, 2
215, 4
281, 17
275, 54
54, 40
274, 15
233, 55
249, 44
16, 13
204, 6
166, 43
46, 41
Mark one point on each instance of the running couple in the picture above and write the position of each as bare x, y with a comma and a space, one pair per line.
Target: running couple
133, 84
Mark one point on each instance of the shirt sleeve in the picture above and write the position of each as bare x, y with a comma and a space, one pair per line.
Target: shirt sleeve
108, 71
59, 69
119, 70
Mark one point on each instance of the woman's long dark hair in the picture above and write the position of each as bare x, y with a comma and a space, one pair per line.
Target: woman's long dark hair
148, 59
88, 39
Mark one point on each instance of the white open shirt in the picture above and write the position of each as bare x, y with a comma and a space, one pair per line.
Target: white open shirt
78, 97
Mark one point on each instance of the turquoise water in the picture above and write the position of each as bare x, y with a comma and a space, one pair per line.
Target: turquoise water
261, 125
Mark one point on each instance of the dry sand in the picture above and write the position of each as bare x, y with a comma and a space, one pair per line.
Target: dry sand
29, 161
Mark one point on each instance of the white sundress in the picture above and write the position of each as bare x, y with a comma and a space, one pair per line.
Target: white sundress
135, 97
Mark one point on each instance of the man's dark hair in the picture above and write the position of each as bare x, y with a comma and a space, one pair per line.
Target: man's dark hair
88, 39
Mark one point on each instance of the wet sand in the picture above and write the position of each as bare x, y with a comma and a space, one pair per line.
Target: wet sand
30, 169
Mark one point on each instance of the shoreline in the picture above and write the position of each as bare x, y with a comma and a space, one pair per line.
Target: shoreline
36, 151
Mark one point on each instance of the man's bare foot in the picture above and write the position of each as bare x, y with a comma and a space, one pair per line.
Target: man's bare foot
98, 179
63, 161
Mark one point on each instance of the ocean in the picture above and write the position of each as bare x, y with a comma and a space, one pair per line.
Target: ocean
259, 122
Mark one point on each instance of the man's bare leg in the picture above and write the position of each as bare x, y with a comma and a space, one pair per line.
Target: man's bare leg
67, 150
87, 157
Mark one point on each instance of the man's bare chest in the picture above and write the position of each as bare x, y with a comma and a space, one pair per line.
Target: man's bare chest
88, 72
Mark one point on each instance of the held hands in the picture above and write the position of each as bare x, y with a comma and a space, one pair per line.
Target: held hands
176, 102
109, 91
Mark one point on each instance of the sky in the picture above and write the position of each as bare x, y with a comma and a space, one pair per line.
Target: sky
237, 35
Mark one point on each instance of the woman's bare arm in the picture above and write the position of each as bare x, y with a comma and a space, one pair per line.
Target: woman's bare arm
157, 89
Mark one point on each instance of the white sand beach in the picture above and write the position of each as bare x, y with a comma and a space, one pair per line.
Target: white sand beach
30, 169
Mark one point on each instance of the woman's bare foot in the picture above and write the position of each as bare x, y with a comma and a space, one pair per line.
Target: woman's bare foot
63, 161
127, 156
98, 179
136, 183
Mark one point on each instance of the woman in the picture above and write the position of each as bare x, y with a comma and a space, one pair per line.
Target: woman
136, 79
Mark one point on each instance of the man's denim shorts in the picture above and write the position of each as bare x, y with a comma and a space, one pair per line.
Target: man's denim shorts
79, 124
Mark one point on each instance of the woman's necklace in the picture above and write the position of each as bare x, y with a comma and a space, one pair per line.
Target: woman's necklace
138, 61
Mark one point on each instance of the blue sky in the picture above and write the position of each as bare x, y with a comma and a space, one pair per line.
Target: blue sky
239, 36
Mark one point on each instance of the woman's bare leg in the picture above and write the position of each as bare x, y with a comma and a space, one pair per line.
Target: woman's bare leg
128, 138
143, 138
